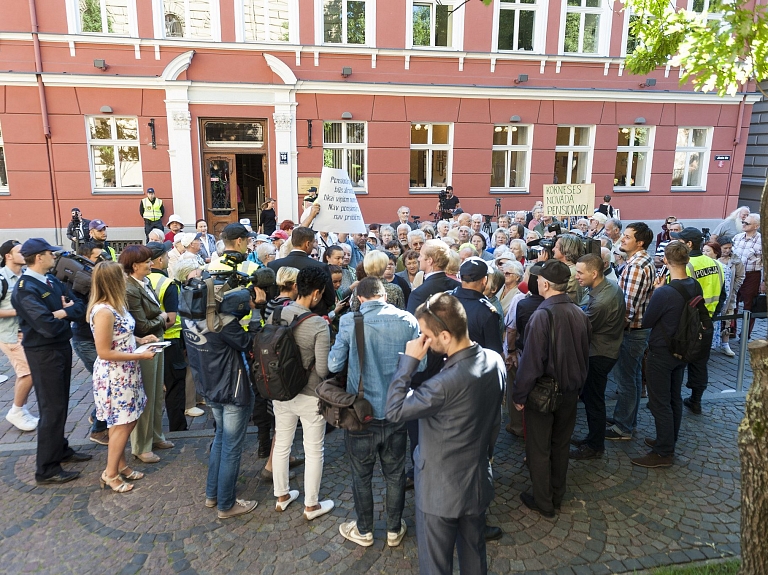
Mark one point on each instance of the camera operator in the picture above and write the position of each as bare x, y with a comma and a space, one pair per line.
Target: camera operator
98, 231
77, 229
447, 203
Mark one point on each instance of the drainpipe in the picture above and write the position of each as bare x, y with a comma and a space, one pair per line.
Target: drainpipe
736, 142
57, 224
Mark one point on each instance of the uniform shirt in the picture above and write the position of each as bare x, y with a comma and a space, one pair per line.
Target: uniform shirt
482, 318
606, 309
749, 250
636, 282
9, 326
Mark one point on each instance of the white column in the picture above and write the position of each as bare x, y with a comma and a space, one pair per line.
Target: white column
180, 151
286, 174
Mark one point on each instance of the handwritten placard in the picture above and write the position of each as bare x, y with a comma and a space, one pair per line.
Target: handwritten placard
339, 210
563, 200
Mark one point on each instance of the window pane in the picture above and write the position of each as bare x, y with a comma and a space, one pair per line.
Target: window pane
561, 167
682, 137
130, 168
356, 167
332, 132
699, 138
620, 172
593, 3
695, 169
253, 15
199, 18
439, 167
507, 29
517, 169
440, 133
581, 136
500, 135
563, 136
631, 36
421, 24
698, 5
251, 132
418, 168
333, 158
519, 135
104, 166
443, 25
3, 173
117, 16
639, 163
278, 20
419, 134
572, 23
579, 168
355, 22
624, 134
525, 30
574, 2
591, 33
101, 128
127, 128
498, 169
90, 16
332, 21
679, 169
641, 136
356, 133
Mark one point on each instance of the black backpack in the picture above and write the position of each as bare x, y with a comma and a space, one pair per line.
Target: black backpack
278, 372
694, 332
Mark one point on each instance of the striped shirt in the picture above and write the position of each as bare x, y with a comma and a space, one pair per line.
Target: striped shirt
636, 282
749, 251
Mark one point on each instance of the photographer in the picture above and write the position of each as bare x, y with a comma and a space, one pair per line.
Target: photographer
77, 229
447, 203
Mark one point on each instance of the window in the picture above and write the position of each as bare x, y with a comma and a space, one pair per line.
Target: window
435, 23
510, 158
266, 20
630, 38
517, 24
3, 172
573, 155
344, 22
430, 155
633, 158
586, 26
106, 16
344, 147
187, 19
113, 147
691, 158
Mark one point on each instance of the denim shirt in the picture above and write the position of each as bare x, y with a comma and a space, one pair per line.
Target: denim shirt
387, 330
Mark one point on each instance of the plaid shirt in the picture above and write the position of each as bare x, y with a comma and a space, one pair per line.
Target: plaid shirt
749, 250
636, 282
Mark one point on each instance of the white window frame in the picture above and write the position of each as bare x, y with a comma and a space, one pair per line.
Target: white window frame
709, 15
293, 23
508, 148
139, 190
158, 11
430, 147
570, 148
4, 189
604, 29
457, 35
370, 26
703, 152
541, 8
344, 146
74, 26
630, 149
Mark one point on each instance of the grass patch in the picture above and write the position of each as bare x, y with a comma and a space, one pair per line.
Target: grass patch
725, 568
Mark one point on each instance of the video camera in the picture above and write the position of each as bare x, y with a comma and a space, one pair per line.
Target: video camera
536, 247
590, 246
73, 270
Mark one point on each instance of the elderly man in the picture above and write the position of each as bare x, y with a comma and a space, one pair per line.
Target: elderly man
193, 248
403, 213
597, 225
748, 247
465, 232
402, 233
504, 222
582, 226
477, 225
520, 217
416, 239
464, 219
156, 235
613, 230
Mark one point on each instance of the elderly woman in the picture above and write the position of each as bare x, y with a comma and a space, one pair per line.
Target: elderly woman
568, 249
400, 281
387, 234
495, 281
513, 273
734, 274
538, 214
532, 236
500, 238
478, 242
443, 227
266, 253
517, 231
411, 271
429, 230
375, 264
519, 249
144, 306
178, 250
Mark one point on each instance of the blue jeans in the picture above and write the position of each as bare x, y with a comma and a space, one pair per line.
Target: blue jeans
630, 380
388, 441
226, 449
86, 351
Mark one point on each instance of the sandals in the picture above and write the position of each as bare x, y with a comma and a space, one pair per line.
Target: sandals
129, 474
115, 483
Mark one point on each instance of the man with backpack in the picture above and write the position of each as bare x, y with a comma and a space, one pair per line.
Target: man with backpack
665, 366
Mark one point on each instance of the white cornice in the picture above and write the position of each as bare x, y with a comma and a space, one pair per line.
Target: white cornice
281, 69
178, 65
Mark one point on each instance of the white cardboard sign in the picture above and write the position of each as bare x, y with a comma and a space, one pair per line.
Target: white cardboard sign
339, 210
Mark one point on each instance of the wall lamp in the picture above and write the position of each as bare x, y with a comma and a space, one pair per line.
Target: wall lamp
100, 64
640, 120
346, 71
105, 110
521, 78
648, 83
346, 116
515, 119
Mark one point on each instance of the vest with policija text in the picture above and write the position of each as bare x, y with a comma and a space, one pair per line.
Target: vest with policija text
152, 211
160, 284
709, 274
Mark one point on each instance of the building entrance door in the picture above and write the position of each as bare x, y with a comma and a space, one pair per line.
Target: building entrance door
251, 184
220, 191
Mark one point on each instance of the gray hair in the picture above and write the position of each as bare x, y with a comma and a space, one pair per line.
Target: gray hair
443, 224
401, 208
220, 247
514, 267
156, 235
264, 250
476, 217
183, 268
403, 226
613, 222
416, 234
570, 247
520, 213
387, 228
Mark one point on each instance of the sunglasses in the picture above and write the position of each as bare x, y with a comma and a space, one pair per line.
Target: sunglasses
437, 319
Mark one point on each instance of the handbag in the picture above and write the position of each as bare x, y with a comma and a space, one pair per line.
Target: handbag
546, 396
340, 408
759, 304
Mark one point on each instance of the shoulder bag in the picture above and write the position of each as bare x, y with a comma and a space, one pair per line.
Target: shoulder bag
546, 395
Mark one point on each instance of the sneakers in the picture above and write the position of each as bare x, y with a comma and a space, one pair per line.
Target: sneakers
22, 419
325, 507
349, 531
653, 460
194, 412
100, 437
241, 507
394, 539
612, 434
726, 349
584, 451
211, 502
694, 406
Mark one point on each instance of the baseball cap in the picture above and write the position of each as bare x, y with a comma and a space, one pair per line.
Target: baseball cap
552, 270
5, 249
473, 269
279, 235
75, 210
150, 190
187, 239
175, 218
234, 231
689, 234
311, 194
599, 216
35, 246
97, 225
159, 249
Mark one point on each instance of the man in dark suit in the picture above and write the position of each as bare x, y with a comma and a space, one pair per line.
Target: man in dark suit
303, 240
433, 259
460, 412
403, 213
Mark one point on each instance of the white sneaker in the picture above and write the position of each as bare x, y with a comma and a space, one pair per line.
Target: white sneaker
22, 420
325, 507
350, 531
25, 410
726, 349
194, 412
394, 539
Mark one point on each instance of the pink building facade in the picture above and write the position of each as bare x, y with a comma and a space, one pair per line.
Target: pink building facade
218, 104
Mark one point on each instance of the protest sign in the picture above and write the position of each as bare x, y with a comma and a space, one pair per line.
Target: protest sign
565, 200
339, 211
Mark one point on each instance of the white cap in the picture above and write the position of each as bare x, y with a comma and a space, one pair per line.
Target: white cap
599, 216
175, 218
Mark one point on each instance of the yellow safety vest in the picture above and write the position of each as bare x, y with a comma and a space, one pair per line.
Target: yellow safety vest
152, 211
246, 267
709, 274
112, 253
160, 284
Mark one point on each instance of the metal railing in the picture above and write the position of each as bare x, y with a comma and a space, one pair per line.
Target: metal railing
745, 317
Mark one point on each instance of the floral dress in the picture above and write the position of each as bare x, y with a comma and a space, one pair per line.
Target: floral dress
118, 392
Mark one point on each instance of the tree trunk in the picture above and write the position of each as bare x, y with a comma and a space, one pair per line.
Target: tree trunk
753, 446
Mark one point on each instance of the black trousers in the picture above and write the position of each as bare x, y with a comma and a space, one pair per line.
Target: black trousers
174, 378
149, 226
698, 373
436, 537
51, 368
547, 445
263, 417
594, 399
665, 381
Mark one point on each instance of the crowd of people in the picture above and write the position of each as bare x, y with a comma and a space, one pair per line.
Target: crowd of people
458, 318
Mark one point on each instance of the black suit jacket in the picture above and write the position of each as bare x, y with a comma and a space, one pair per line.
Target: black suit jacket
436, 283
412, 225
300, 260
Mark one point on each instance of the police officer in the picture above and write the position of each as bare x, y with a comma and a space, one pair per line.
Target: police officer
709, 274
175, 363
482, 317
45, 307
98, 231
152, 210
